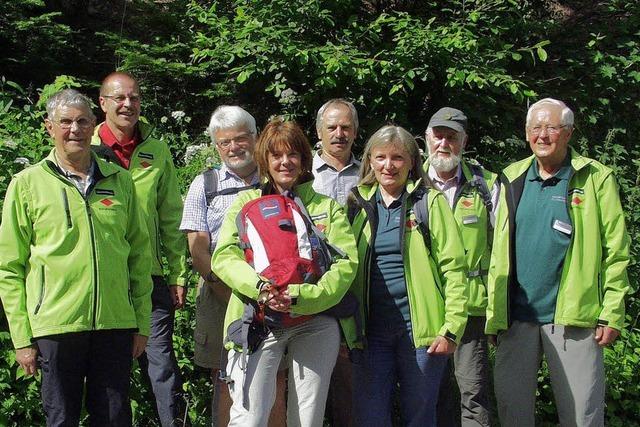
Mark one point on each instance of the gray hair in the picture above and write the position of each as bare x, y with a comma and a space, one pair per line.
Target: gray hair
391, 135
566, 116
336, 101
71, 98
230, 116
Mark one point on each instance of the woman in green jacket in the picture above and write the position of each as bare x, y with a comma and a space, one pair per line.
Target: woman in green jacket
310, 342
410, 282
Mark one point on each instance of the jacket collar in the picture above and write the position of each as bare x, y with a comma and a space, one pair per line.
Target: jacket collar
368, 191
517, 169
103, 169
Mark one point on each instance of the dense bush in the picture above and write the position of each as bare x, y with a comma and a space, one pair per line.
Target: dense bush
398, 60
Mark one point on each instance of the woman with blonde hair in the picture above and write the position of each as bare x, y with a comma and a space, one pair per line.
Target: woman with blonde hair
410, 283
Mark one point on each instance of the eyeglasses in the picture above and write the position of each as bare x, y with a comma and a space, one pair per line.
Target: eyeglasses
241, 140
120, 99
83, 123
551, 130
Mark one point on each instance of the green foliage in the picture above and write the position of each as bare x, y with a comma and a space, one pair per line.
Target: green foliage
398, 60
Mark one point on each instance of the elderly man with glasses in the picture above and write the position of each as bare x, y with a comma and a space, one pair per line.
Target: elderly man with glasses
129, 142
74, 272
233, 132
558, 274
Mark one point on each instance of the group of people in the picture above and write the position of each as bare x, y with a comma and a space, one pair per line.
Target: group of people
440, 255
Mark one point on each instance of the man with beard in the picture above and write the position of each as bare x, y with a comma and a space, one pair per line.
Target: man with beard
336, 171
129, 142
233, 132
466, 188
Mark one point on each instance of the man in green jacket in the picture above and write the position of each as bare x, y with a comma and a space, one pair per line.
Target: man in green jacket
472, 192
127, 141
558, 274
74, 272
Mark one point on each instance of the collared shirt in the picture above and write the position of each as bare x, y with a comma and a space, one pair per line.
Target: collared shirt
82, 184
122, 149
197, 216
543, 235
333, 183
450, 188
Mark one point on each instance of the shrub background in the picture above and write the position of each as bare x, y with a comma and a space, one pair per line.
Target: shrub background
398, 60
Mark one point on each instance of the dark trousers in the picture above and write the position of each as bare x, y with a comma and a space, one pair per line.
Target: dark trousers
103, 360
158, 363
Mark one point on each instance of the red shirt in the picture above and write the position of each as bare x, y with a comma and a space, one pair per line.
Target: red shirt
124, 149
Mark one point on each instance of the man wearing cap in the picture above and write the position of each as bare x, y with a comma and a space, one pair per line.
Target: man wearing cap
558, 274
472, 193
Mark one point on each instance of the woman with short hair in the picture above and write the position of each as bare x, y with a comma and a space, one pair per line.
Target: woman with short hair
308, 339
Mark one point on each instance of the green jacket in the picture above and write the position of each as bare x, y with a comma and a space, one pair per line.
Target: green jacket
435, 276
228, 262
154, 176
594, 278
70, 264
474, 223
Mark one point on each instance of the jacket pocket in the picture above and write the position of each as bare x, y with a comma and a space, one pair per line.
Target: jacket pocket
42, 288
67, 211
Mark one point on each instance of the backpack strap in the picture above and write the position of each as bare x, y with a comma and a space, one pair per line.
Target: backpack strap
332, 248
480, 184
421, 211
210, 180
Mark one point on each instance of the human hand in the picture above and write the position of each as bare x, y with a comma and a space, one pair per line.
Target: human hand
279, 300
178, 294
492, 339
606, 335
441, 346
139, 344
27, 359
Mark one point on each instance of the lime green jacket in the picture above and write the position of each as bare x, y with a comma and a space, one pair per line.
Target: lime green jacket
594, 278
474, 223
228, 262
70, 264
435, 277
154, 176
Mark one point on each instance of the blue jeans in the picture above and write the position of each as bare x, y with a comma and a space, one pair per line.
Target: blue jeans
390, 358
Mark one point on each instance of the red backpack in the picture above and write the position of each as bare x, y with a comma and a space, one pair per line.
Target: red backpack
281, 242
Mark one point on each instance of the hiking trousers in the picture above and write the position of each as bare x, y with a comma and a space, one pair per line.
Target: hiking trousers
310, 349
576, 368
158, 363
98, 361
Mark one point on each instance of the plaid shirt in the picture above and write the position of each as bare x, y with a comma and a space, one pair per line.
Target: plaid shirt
196, 216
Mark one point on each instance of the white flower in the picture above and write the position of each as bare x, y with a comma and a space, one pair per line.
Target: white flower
22, 161
178, 115
192, 151
163, 119
9, 143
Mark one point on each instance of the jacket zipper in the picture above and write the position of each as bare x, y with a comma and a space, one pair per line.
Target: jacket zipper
95, 263
568, 206
65, 201
41, 290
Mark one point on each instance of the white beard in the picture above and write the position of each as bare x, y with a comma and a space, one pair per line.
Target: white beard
441, 164
236, 163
